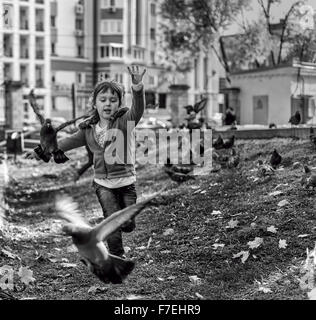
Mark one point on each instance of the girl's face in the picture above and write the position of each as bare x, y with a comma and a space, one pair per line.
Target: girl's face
107, 103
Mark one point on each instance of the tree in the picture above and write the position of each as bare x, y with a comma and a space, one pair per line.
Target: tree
192, 26
277, 43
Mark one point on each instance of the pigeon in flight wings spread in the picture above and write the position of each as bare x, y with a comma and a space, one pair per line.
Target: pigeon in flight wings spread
89, 240
48, 134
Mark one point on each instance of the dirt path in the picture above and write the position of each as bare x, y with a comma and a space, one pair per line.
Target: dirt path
212, 219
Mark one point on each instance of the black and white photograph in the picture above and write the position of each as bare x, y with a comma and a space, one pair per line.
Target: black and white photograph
157, 151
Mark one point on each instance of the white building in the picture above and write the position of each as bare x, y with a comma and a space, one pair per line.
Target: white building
25, 32
272, 95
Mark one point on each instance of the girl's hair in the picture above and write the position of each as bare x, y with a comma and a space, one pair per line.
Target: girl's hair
102, 87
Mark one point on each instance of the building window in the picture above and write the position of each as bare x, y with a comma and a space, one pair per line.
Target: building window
111, 51
79, 51
80, 78
53, 48
7, 71
162, 100
7, 45
151, 80
102, 76
24, 47
54, 104
39, 44
152, 33
111, 26
112, 3
24, 74
39, 20
79, 24
39, 76
118, 77
24, 18
152, 57
153, 9
53, 21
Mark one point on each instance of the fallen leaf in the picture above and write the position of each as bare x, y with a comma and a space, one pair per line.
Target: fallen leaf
255, 243
168, 232
265, 290
127, 249
216, 213
243, 254
232, 224
134, 297
26, 275
272, 229
195, 280
275, 193
97, 289
283, 203
142, 248
68, 265
312, 295
303, 236
171, 278
149, 242
165, 252
199, 296
203, 192
281, 186
218, 245
282, 244
161, 279
72, 249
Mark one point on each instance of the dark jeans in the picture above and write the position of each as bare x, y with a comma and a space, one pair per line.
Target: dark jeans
113, 200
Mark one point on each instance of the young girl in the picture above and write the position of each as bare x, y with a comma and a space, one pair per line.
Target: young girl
114, 183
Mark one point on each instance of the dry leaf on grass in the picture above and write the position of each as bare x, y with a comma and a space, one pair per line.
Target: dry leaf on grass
168, 232
272, 229
68, 265
244, 255
275, 193
26, 275
195, 280
265, 290
283, 203
232, 224
312, 295
282, 244
255, 243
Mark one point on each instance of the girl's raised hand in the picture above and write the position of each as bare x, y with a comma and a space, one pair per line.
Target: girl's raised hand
137, 77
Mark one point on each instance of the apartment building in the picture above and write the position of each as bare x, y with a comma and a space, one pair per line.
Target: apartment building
85, 51
25, 56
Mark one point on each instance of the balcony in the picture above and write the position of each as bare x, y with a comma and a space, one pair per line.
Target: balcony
79, 33
79, 9
53, 34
